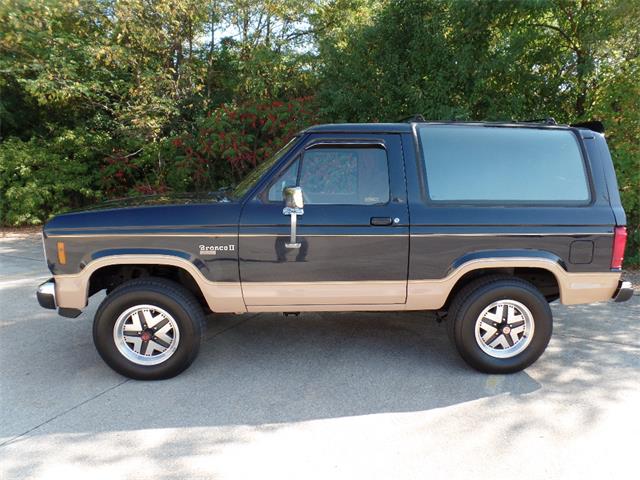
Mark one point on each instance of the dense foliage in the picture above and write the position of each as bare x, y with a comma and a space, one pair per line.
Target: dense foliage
105, 98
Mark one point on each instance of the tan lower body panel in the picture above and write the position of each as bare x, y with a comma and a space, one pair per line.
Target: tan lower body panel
575, 288
325, 293
589, 287
345, 307
72, 290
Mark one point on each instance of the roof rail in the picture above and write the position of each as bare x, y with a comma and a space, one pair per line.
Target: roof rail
417, 117
546, 121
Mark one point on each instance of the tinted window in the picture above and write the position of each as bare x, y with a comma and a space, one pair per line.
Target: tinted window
501, 164
286, 179
345, 175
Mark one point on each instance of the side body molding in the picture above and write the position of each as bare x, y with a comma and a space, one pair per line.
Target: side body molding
72, 290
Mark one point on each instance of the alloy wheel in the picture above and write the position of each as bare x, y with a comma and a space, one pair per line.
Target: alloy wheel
146, 334
504, 328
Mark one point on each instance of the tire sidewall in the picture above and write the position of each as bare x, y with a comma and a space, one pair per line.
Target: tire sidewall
113, 307
469, 312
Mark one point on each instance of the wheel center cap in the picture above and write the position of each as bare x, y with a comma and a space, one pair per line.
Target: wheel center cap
145, 336
506, 330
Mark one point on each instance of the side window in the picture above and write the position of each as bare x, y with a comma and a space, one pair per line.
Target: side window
503, 165
345, 175
286, 179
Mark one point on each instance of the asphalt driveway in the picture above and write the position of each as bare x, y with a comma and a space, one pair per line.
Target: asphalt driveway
326, 396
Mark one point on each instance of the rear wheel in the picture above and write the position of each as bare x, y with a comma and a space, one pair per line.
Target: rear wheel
500, 324
149, 329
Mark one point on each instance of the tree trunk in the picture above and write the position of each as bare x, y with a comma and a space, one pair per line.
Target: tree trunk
581, 98
212, 20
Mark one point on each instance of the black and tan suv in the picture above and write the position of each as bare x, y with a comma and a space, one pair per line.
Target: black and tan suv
485, 223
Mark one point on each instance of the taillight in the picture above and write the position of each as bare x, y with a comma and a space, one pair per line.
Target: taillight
619, 242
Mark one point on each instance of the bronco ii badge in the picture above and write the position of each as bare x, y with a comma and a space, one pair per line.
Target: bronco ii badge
214, 249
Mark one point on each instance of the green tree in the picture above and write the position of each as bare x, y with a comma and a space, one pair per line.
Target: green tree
478, 60
123, 80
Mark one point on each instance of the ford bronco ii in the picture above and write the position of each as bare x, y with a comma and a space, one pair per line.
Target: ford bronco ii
485, 223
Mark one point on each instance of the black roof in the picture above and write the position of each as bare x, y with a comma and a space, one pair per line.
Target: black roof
408, 127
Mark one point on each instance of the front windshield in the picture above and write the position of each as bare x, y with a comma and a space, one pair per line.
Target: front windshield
255, 175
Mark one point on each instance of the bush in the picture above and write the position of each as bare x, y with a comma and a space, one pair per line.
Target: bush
232, 139
140, 172
222, 146
41, 178
627, 165
619, 107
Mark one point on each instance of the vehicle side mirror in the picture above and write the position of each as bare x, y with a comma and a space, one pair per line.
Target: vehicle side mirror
293, 197
294, 204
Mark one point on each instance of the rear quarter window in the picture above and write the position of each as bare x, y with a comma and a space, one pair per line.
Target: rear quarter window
503, 165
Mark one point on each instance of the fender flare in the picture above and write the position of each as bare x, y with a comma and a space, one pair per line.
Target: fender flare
506, 254
72, 290
574, 288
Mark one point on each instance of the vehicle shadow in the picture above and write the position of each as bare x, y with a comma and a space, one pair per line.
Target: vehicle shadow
340, 364
267, 368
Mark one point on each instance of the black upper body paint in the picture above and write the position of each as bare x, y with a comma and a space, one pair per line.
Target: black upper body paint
426, 239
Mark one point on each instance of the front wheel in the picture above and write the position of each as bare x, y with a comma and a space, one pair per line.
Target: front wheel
500, 325
149, 329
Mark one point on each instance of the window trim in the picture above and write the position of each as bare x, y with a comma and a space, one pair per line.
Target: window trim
321, 144
346, 144
424, 185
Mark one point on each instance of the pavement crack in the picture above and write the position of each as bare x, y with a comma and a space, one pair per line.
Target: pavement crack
100, 394
23, 434
237, 324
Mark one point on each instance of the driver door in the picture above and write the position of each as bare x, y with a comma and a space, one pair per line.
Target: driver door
352, 244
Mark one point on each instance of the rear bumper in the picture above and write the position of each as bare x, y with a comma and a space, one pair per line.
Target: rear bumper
624, 292
46, 294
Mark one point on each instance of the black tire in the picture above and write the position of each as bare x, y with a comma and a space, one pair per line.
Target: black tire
169, 296
469, 304
464, 293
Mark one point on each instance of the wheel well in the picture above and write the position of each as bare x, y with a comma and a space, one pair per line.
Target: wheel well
542, 279
109, 277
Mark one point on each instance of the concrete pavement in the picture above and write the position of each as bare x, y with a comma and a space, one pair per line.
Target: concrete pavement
326, 396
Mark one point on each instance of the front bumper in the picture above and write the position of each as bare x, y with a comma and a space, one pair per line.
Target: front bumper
624, 292
46, 294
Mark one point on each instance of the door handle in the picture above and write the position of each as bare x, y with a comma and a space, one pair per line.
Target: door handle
381, 221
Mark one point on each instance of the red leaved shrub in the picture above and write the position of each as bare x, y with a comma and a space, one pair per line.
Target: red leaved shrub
232, 139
